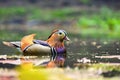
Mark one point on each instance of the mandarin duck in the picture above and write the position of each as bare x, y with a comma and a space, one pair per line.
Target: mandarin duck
54, 46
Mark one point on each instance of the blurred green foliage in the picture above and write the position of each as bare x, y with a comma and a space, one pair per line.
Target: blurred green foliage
7, 12
85, 1
103, 22
27, 71
12, 11
11, 35
48, 14
36, 13
8, 35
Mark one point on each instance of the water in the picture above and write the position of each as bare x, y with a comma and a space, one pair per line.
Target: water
82, 51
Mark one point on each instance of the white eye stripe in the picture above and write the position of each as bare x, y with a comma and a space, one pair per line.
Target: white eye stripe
62, 31
65, 32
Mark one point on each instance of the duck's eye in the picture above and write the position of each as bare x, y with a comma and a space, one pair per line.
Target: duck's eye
60, 33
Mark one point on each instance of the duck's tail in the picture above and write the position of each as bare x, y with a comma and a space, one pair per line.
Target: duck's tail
15, 44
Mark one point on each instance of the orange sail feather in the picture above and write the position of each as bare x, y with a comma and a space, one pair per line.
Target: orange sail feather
27, 41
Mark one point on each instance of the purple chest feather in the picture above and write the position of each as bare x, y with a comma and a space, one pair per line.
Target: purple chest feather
60, 51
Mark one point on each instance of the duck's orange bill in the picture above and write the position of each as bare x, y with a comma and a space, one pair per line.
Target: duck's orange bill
27, 41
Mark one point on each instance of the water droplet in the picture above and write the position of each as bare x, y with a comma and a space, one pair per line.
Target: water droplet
106, 52
117, 43
117, 49
105, 42
117, 52
93, 43
84, 43
76, 39
99, 46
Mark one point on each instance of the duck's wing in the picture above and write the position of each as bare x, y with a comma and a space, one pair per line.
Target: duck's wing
17, 44
44, 43
40, 47
36, 48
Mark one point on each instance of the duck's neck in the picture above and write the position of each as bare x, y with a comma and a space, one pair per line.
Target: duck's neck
55, 43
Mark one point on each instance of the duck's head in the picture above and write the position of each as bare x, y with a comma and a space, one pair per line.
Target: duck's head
59, 35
